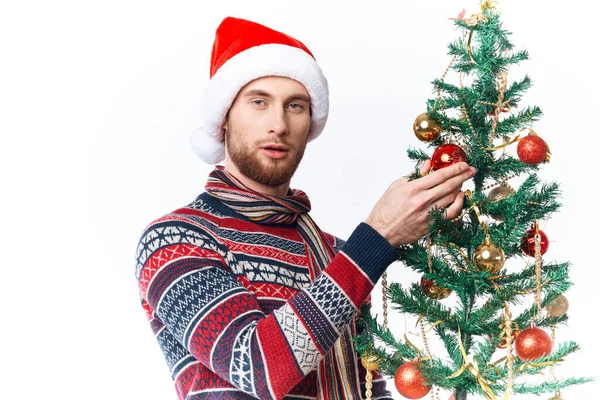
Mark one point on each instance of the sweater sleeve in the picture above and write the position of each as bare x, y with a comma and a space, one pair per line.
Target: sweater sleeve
186, 281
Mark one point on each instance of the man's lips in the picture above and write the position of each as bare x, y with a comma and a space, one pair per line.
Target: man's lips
275, 147
275, 151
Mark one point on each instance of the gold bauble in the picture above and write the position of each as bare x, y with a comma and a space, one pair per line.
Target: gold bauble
498, 194
370, 363
489, 257
558, 307
426, 128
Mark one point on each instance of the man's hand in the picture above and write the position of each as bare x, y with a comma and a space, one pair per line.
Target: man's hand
402, 214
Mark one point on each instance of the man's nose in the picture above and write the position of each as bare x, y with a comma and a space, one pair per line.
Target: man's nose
277, 122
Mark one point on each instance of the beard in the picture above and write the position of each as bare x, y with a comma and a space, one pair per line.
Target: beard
270, 172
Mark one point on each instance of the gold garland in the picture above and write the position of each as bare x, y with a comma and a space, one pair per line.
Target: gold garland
462, 253
473, 368
538, 271
419, 321
440, 103
429, 255
370, 363
500, 104
435, 393
369, 385
507, 331
557, 394
511, 141
384, 291
475, 207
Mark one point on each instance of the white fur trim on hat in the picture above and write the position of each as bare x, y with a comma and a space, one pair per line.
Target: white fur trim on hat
207, 148
248, 65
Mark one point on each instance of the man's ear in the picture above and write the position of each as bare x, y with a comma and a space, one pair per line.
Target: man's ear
224, 127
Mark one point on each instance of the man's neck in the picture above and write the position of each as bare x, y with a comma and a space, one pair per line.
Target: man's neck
280, 190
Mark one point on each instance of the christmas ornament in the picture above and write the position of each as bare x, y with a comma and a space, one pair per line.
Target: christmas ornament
533, 343
498, 194
410, 382
370, 363
426, 128
528, 242
434, 291
446, 155
558, 307
489, 257
532, 149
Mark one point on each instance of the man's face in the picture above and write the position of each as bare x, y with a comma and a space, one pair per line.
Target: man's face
266, 129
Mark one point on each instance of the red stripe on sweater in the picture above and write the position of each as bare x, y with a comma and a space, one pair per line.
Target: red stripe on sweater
351, 279
279, 360
215, 322
207, 379
148, 309
271, 290
266, 252
185, 380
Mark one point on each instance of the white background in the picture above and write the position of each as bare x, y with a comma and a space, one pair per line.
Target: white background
97, 99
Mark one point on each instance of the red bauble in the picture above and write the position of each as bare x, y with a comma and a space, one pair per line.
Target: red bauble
532, 149
446, 155
533, 343
528, 242
409, 381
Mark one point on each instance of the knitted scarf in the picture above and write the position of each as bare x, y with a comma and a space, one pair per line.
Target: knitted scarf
336, 372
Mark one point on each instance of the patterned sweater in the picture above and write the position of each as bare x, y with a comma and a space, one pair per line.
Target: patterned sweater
232, 307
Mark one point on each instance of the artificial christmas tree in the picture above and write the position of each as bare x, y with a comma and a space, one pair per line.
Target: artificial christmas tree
466, 294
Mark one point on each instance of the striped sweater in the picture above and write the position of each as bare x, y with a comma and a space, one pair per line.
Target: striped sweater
232, 307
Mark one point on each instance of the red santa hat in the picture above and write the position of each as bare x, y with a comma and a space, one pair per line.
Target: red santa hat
242, 52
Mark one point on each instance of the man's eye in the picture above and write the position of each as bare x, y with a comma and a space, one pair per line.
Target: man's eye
258, 102
295, 106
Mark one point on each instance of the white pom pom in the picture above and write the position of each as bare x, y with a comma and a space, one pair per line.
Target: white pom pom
209, 149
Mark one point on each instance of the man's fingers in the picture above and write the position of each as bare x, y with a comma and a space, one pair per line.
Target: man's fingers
455, 208
425, 167
442, 175
445, 200
451, 185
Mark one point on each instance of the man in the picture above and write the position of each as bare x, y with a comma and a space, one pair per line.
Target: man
247, 297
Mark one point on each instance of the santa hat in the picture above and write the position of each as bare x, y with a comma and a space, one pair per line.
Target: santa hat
242, 52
